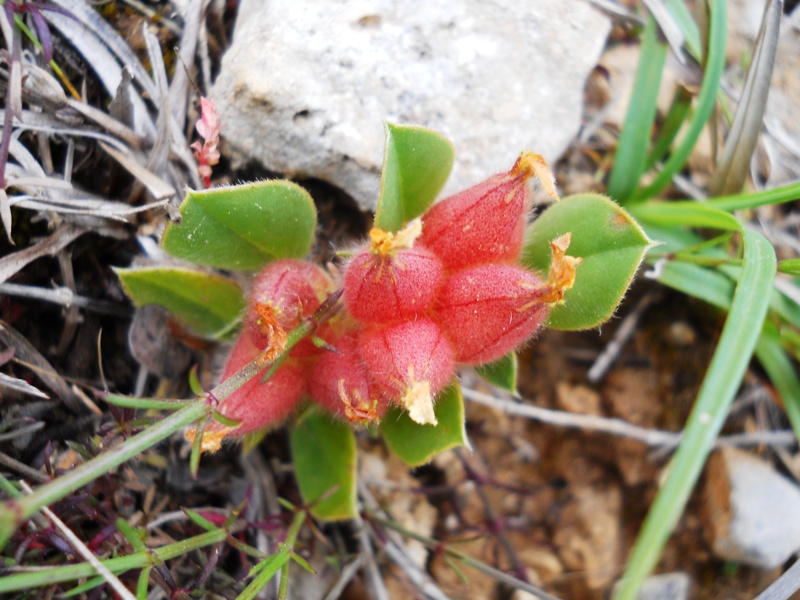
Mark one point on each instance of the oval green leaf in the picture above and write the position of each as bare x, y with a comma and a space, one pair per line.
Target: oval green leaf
611, 245
244, 226
417, 444
208, 305
502, 372
416, 165
324, 452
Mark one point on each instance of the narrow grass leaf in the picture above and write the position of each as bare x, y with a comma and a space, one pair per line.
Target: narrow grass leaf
145, 403
728, 365
143, 582
417, 444
266, 571
691, 34
782, 373
678, 112
200, 520
734, 163
244, 226
790, 266
631, 154
786, 193
706, 99
416, 165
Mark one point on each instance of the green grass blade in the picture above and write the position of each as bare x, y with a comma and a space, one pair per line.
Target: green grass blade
629, 160
43, 577
734, 164
679, 110
786, 193
781, 372
731, 358
691, 34
705, 102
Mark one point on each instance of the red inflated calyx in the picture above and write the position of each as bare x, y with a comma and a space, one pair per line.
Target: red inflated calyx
285, 292
485, 223
340, 382
409, 362
391, 279
256, 405
489, 310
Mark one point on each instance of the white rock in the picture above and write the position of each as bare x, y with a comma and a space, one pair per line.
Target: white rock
753, 515
668, 586
305, 87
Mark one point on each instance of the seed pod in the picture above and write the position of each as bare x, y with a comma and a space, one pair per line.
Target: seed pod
409, 362
489, 310
258, 405
283, 294
340, 382
380, 288
485, 223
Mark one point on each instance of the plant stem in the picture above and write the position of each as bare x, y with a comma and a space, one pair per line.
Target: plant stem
50, 576
291, 538
13, 512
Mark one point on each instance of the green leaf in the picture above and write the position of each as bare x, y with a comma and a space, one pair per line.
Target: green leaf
324, 452
207, 304
244, 226
502, 372
731, 358
416, 165
416, 444
611, 245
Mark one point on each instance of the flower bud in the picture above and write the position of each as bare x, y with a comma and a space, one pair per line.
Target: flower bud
285, 292
489, 310
385, 283
485, 223
256, 405
409, 362
340, 383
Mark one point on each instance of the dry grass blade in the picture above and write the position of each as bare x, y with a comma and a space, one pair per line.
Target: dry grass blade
733, 165
60, 238
785, 586
158, 154
24, 351
651, 437
159, 188
88, 17
179, 89
64, 296
103, 61
22, 386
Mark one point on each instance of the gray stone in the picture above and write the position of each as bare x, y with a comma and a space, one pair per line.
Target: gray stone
752, 510
305, 87
668, 586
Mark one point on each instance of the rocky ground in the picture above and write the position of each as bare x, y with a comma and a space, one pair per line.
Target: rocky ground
556, 500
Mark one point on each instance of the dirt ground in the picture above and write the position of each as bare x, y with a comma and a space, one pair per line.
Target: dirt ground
558, 507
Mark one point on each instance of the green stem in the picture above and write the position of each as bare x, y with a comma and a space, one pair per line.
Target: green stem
291, 538
50, 576
13, 512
